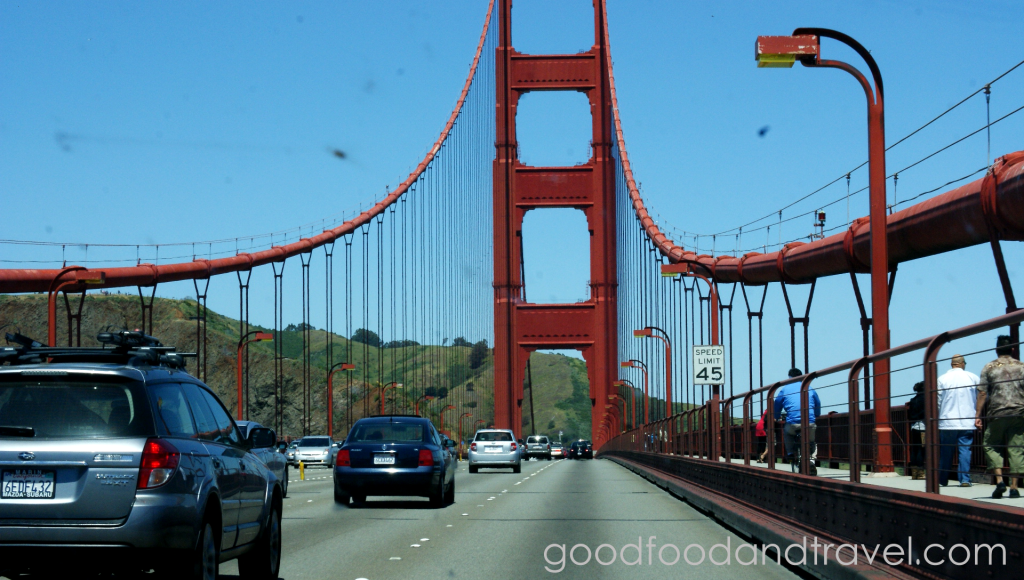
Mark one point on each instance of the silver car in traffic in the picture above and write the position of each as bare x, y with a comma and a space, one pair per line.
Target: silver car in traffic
117, 459
315, 450
494, 448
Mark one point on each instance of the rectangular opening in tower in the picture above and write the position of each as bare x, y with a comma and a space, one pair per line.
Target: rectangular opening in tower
556, 256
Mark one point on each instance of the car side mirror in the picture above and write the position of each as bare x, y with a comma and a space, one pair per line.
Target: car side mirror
261, 438
449, 443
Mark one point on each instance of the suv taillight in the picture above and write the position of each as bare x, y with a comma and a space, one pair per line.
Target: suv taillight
472, 446
426, 458
549, 447
513, 446
159, 462
343, 459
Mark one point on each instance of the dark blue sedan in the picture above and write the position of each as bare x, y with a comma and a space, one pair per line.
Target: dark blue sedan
395, 455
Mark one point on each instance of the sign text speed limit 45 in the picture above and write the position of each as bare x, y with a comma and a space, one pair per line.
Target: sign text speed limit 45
708, 365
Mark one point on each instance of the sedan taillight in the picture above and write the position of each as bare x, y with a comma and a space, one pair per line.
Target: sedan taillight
159, 462
514, 446
343, 459
426, 458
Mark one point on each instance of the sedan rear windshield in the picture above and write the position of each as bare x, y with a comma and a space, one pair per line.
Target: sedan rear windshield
315, 442
493, 436
391, 432
62, 409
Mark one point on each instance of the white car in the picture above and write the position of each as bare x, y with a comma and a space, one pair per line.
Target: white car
494, 448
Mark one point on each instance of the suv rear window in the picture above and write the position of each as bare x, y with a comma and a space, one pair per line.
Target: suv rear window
395, 432
493, 436
67, 409
536, 439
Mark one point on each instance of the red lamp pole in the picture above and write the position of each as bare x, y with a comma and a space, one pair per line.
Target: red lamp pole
649, 331
461, 417
805, 45
477, 422
423, 398
384, 389
622, 410
260, 337
342, 366
663, 337
442, 416
623, 383
633, 363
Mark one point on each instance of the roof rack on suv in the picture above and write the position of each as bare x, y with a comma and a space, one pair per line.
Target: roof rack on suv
129, 347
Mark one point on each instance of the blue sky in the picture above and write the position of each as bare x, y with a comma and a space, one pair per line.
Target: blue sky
166, 122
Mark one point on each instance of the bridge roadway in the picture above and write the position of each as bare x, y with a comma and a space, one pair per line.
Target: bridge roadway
499, 526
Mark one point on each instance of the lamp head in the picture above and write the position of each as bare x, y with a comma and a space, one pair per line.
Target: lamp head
90, 276
783, 51
262, 336
642, 332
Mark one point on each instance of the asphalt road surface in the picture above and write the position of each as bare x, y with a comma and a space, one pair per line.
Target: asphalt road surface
500, 526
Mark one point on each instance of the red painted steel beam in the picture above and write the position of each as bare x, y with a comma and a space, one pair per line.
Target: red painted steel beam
951, 221
31, 280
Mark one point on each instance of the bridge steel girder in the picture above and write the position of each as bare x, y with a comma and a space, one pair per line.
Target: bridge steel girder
520, 327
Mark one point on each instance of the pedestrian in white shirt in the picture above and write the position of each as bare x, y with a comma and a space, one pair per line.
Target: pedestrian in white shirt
958, 397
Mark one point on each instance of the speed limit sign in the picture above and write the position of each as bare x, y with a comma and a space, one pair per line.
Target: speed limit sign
708, 365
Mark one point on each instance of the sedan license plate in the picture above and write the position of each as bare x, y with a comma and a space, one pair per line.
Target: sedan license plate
27, 484
492, 449
384, 459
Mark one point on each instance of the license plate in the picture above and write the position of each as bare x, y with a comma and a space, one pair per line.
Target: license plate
28, 484
383, 459
492, 449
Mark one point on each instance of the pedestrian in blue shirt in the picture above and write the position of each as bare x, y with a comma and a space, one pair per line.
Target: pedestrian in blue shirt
788, 399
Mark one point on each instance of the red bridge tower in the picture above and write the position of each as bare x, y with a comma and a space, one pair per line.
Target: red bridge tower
519, 327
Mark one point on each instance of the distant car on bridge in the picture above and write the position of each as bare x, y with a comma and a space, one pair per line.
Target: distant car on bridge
314, 450
494, 448
581, 450
395, 455
270, 457
538, 446
557, 451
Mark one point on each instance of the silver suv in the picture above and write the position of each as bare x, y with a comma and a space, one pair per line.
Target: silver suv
538, 447
117, 458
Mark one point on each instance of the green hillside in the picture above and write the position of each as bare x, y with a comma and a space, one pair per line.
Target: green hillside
561, 397
560, 383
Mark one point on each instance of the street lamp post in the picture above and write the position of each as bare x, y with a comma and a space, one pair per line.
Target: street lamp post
341, 366
633, 363
384, 389
260, 337
461, 417
423, 398
624, 383
449, 407
805, 45
477, 422
623, 419
616, 419
649, 331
